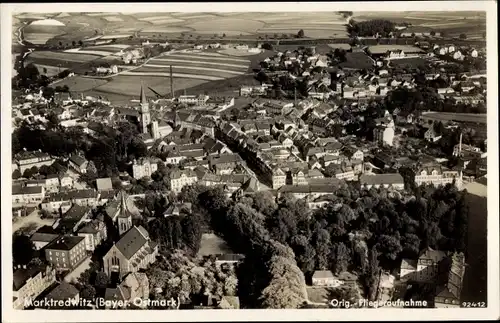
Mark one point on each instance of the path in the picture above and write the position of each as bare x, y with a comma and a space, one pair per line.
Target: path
475, 280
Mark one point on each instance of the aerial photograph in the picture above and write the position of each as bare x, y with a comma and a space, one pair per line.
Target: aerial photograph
249, 160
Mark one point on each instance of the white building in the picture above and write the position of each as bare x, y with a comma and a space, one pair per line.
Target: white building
143, 168
179, 179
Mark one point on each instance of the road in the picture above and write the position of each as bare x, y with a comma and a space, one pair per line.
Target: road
475, 280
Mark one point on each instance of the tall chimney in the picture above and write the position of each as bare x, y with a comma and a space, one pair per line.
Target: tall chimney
171, 82
460, 145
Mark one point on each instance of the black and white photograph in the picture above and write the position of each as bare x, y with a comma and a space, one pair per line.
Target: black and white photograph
185, 158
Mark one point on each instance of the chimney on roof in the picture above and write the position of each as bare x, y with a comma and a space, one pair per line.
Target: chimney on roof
24, 266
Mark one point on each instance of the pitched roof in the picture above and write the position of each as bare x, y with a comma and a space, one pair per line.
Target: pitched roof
143, 95
378, 179
321, 274
104, 184
22, 275
65, 243
63, 291
132, 241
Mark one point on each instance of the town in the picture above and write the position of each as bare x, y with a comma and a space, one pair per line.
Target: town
333, 171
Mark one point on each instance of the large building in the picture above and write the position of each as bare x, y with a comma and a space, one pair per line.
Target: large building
30, 283
436, 175
180, 178
66, 252
144, 168
27, 194
28, 159
132, 252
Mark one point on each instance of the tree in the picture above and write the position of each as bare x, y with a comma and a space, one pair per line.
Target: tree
16, 174
23, 249
463, 36
340, 258
28, 173
80, 43
433, 33
88, 292
267, 46
101, 280
300, 34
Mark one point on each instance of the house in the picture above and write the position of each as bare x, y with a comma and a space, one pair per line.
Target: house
66, 252
133, 291
229, 302
78, 163
311, 191
180, 178
104, 184
395, 181
29, 159
395, 54
384, 134
228, 259
41, 239
435, 175
30, 282
278, 178
61, 295
75, 216
463, 150
27, 194
431, 135
323, 278
94, 233
353, 153
298, 177
132, 252
424, 269
225, 164
449, 291
144, 167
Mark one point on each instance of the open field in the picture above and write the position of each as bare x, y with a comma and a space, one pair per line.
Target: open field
80, 83
49, 70
458, 117
62, 56
88, 51
211, 244
129, 85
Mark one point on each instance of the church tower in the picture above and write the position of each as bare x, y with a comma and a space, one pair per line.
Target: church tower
145, 115
124, 219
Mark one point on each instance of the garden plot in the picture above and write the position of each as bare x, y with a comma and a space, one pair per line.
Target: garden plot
165, 19
209, 57
98, 14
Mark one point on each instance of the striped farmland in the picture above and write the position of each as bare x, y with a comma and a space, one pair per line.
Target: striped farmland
194, 66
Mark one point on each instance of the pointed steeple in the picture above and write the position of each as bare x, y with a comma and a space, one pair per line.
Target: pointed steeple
143, 94
124, 211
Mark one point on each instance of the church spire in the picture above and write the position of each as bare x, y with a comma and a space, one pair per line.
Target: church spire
143, 94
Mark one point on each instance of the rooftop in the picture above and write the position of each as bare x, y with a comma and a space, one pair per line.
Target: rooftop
65, 243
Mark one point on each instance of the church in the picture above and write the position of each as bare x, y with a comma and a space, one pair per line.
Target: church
134, 250
154, 128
